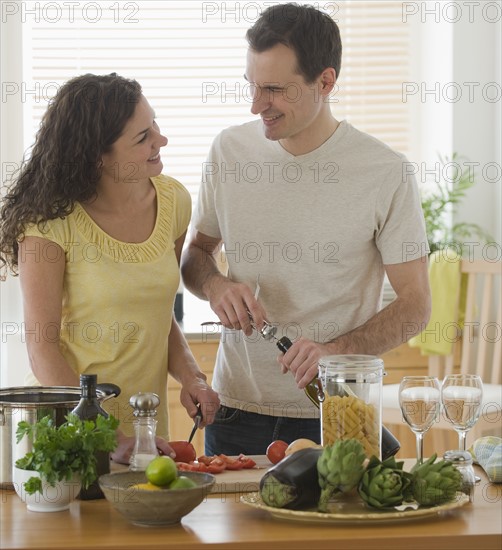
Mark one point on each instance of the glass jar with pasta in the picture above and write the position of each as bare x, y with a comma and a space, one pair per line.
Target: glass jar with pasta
351, 400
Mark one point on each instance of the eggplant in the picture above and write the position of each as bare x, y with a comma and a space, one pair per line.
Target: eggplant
293, 482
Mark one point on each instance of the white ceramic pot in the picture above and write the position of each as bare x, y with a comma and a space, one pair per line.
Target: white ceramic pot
52, 499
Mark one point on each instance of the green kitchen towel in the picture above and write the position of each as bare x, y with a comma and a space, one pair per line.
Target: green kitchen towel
446, 321
487, 452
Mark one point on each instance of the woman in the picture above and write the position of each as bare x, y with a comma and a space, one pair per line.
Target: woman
95, 232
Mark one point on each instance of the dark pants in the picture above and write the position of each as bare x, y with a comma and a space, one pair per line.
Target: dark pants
235, 431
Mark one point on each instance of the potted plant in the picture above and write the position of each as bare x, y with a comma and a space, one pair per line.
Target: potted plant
64, 455
441, 199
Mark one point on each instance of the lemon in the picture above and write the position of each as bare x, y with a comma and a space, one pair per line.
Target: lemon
182, 482
161, 471
298, 444
146, 487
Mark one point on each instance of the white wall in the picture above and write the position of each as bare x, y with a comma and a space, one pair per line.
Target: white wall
477, 120
13, 356
457, 105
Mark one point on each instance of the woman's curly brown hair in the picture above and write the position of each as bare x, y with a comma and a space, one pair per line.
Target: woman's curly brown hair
86, 116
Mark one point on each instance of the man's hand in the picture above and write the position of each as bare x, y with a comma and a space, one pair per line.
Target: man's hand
302, 360
234, 303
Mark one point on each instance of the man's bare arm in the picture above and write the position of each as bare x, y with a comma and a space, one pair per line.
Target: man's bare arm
405, 317
232, 302
402, 319
198, 264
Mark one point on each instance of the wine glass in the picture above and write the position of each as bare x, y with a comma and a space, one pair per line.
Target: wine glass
462, 396
419, 399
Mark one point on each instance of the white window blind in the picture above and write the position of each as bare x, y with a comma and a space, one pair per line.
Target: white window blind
189, 56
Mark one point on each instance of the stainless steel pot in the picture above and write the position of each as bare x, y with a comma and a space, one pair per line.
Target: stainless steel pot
31, 403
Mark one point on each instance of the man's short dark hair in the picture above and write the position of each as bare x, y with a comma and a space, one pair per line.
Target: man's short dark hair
310, 33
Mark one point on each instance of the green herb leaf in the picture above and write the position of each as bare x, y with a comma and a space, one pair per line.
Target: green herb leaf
69, 449
439, 203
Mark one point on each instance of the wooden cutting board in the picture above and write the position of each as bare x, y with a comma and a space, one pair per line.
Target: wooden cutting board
231, 481
242, 481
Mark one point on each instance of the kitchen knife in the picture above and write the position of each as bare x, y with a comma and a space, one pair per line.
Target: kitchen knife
196, 423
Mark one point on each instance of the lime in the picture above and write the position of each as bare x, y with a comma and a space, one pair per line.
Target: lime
161, 471
182, 482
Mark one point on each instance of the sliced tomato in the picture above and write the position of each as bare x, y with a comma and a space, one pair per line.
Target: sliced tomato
209, 464
192, 467
206, 459
216, 465
231, 463
246, 462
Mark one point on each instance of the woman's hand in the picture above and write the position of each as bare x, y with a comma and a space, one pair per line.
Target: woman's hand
122, 453
124, 449
197, 392
194, 388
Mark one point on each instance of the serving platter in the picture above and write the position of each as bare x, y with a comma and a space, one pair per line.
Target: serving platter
353, 510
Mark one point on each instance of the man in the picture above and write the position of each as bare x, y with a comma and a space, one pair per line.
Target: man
319, 212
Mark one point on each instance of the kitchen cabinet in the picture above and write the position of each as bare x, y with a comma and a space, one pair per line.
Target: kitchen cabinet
403, 361
398, 362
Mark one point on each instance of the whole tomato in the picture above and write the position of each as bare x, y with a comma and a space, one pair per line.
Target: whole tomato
276, 451
185, 452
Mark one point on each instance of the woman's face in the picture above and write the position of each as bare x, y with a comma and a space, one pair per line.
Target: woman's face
135, 156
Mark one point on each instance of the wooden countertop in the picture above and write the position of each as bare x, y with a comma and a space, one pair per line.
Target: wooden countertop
221, 521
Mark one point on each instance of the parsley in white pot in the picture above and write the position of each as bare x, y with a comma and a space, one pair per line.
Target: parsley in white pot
62, 460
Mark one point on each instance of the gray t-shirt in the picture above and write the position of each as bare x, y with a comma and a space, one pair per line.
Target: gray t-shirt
318, 229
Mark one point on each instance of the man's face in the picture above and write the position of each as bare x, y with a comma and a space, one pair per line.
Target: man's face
288, 106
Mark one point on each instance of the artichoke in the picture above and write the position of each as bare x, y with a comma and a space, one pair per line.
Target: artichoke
435, 483
385, 484
339, 469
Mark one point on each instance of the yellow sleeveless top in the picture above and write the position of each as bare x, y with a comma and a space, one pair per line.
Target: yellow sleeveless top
118, 299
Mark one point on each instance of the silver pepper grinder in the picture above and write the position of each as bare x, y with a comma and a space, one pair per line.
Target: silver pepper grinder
145, 426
